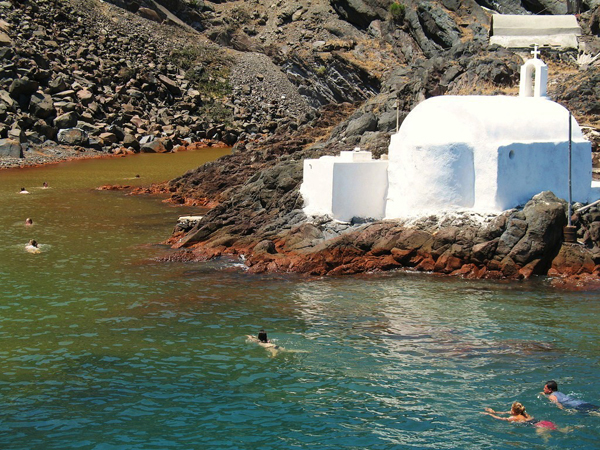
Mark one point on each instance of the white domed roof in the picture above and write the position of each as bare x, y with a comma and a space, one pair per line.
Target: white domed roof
471, 119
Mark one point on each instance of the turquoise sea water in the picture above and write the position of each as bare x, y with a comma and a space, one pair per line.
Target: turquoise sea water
102, 346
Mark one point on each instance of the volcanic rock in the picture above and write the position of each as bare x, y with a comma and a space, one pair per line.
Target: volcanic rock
10, 148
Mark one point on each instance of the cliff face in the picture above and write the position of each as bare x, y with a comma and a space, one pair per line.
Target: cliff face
260, 215
126, 73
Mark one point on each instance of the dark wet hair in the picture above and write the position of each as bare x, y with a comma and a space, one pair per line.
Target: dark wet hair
262, 336
552, 385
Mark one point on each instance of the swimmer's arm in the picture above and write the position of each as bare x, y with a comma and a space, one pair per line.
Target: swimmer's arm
554, 400
490, 410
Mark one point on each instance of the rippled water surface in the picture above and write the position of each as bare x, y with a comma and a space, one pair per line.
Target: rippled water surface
103, 347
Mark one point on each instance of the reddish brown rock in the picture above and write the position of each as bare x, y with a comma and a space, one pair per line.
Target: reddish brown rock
572, 259
447, 263
402, 257
426, 265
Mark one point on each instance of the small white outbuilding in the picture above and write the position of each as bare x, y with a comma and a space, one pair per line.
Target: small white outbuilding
522, 31
346, 186
479, 153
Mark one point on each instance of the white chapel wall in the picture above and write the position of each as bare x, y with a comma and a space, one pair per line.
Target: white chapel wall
526, 169
359, 190
430, 170
346, 186
317, 185
431, 178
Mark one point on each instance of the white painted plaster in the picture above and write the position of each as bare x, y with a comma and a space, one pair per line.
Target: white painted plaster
430, 157
356, 156
317, 186
344, 189
522, 31
534, 78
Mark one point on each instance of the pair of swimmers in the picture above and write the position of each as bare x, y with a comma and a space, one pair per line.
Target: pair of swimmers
32, 246
25, 191
518, 414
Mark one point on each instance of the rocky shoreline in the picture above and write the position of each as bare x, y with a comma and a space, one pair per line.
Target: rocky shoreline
515, 245
54, 155
36, 156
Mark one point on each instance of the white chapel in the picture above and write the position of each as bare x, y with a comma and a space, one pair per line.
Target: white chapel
474, 152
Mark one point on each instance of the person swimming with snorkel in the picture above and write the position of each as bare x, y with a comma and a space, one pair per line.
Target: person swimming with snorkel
264, 342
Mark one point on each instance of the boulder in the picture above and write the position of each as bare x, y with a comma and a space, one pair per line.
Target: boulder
155, 146
545, 216
117, 131
573, 259
362, 124
5, 40
108, 138
23, 86
85, 96
73, 136
41, 105
57, 85
438, 25
7, 100
515, 230
171, 85
130, 140
10, 148
43, 129
485, 251
68, 120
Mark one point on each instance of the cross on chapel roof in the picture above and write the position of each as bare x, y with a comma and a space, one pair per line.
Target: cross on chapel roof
535, 52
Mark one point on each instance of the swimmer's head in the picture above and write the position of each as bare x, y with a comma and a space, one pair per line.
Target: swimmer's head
550, 386
517, 408
28, 221
262, 336
33, 243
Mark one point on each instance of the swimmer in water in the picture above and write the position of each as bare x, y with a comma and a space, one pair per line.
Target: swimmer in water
565, 401
23, 191
28, 222
518, 414
45, 185
32, 246
264, 342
